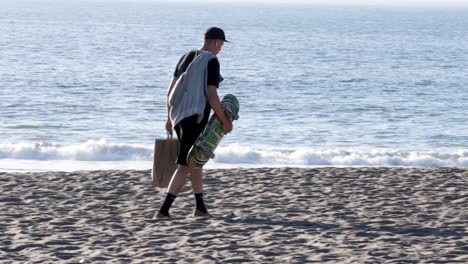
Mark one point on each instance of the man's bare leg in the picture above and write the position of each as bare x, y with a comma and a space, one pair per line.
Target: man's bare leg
197, 180
178, 180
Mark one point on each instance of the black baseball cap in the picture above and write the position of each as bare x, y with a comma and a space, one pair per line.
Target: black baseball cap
215, 33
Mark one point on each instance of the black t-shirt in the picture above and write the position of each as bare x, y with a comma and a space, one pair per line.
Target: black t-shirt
213, 74
213, 67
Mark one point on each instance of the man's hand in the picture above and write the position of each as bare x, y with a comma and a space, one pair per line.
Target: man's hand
227, 126
169, 127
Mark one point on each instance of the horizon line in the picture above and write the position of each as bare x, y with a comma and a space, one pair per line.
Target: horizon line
309, 3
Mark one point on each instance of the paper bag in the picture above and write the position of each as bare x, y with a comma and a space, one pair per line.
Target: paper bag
164, 163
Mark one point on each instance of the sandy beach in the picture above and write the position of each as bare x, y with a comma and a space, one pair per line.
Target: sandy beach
267, 215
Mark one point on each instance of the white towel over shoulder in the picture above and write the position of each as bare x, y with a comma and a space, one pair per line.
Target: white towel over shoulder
190, 93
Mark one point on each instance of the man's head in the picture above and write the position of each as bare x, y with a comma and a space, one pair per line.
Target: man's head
214, 39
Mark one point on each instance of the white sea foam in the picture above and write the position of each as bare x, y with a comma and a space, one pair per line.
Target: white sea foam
92, 150
102, 154
235, 153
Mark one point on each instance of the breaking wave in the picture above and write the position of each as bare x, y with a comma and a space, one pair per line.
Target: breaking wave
236, 154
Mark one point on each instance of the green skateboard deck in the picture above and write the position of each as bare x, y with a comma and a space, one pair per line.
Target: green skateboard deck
204, 147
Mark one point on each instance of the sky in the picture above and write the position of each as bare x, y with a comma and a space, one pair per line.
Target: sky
408, 3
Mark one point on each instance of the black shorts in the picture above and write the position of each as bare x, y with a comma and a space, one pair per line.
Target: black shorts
187, 132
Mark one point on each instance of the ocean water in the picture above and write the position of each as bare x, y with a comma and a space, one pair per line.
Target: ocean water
83, 84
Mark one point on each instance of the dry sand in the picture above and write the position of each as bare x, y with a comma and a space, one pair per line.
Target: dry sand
270, 215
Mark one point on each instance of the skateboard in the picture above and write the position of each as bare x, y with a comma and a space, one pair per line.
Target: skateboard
205, 145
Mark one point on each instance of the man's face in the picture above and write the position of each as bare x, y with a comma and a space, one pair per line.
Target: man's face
219, 44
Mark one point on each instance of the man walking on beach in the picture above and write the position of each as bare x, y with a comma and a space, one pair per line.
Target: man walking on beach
191, 95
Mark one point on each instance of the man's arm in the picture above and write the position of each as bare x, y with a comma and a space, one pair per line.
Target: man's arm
169, 90
216, 106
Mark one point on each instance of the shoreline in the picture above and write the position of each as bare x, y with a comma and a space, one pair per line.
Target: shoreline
263, 215
145, 167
